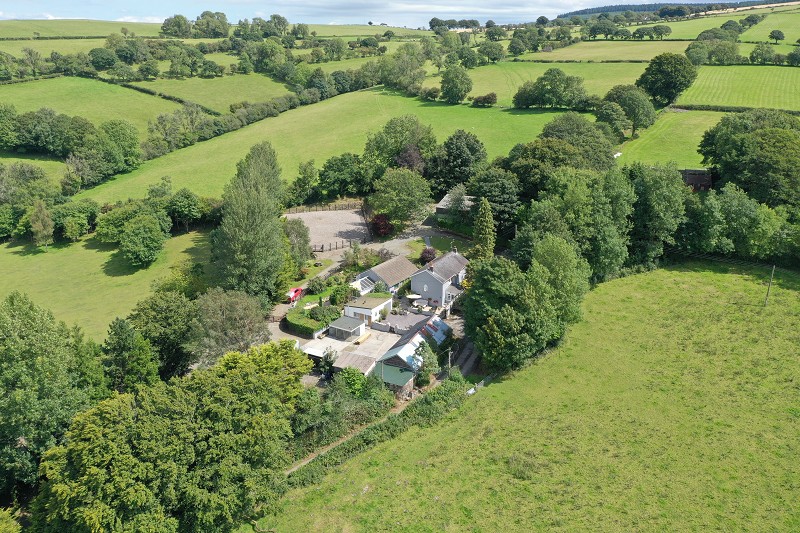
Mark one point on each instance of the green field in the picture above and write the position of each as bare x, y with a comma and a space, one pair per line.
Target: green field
668, 408
317, 132
220, 93
674, 137
610, 50
74, 28
66, 46
690, 29
749, 86
88, 283
362, 30
54, 168
90, 99
746, 48
787, 21
505, 78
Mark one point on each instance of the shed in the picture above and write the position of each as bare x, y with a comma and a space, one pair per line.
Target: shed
443, 207
346, 328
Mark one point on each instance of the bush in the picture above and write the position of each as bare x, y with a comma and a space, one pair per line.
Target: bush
299, 322
324, 314
381, 225
428, 254
142, 240
429, 93
316, 285
487, 100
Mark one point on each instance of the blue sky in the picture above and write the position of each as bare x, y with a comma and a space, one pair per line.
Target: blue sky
411, 13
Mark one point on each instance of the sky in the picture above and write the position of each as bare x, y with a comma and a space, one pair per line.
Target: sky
410, 13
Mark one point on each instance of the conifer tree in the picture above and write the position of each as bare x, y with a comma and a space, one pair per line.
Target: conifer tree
129, 359
483, 232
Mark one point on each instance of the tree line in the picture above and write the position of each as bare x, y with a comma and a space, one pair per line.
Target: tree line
720, 46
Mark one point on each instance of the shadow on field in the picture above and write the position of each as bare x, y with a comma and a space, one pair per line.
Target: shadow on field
755, 274
28, 248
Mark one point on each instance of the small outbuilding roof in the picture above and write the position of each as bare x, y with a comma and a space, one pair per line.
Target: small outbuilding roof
394, 271
446, 266
346, 323
444, 203
370, 301
393, 375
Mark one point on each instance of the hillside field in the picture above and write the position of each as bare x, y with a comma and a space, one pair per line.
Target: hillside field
745, 85
786, 21
674, 137
74, 28
89, 283
91, 99
610, 50
54, 168
219, 93
506, 77
319, 131
666, 408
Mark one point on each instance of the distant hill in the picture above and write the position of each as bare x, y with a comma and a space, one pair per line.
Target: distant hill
649, 8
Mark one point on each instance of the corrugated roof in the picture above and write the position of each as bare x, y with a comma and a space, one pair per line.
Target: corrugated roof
446, 266
362, 363
346, 323
395, 270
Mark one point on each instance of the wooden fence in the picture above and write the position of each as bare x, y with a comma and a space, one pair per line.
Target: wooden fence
336, 245
346, 206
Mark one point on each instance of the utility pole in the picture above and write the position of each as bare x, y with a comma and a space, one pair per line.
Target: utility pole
766, 299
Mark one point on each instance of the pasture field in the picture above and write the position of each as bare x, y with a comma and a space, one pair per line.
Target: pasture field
690, 29
74, 28
45, 47
505, 78
610, 50
674, 137
54, 168
89, 283
93, 100
319, 131
362, 30
666, 408
743, 85
746, 48
786, 21
219, 93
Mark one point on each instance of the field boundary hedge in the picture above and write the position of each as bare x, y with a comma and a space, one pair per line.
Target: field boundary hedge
25, 80
725, 108
169, 97
425, 411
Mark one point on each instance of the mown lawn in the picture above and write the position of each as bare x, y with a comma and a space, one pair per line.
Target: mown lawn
745, 85
89, 283
90, 99
672, 406
220, 93
318, 132
74, 28
611, 50
506, 77
674, 137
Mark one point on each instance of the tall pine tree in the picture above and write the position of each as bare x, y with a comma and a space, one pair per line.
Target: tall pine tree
483, 232
249, 245
129, 358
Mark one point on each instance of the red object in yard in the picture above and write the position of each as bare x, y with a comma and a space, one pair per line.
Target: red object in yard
294, 294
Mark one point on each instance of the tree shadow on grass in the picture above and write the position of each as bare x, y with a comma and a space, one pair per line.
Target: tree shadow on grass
29, 249
117, 266
548, 111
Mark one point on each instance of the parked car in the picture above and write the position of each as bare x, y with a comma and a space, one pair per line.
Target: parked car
294, 294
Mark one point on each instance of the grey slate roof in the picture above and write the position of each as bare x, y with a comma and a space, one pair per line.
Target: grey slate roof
446, 266
346, 323
395, 270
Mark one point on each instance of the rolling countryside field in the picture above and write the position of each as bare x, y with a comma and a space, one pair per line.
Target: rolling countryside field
219, 93
331, 127
54, 168
610, 50
91, 99
674, 137
745, 85
73, 28
687, 419
787, 21
89, 283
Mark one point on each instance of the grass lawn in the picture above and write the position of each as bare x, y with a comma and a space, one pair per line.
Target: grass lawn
667, 408
506, 77
318, 132
74, 28
313, 270
54, 168
441, 244
788, 22
600, 50
743, 85
220, 93
89, 283
91, 99
674, 137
